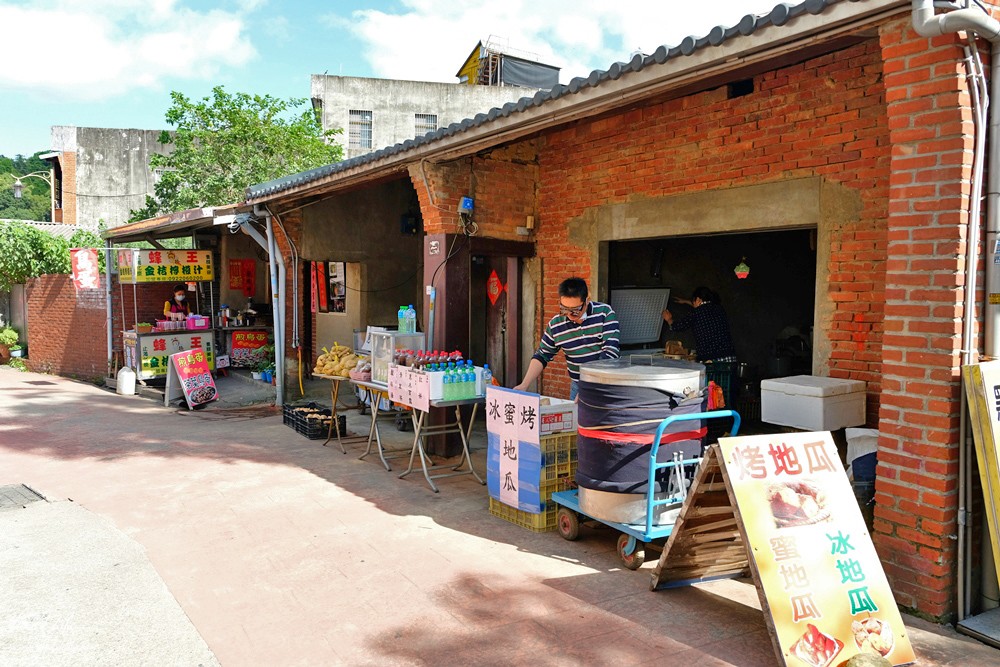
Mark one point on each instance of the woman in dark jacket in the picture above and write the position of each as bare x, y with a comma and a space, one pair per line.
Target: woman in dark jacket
713, 341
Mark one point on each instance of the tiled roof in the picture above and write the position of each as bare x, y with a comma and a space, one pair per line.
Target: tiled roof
748, 25
53, 228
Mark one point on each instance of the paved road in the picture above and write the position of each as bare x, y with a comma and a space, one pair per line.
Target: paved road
283, 552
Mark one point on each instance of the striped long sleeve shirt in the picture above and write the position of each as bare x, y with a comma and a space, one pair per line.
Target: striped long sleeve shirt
596, 337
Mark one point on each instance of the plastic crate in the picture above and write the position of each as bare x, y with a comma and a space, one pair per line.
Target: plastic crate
721, 373
314, 429
542, 522
558, 473
558, 457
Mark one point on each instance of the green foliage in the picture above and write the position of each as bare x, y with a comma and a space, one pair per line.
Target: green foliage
227, 142
18, 365
8, 336
27, 252
35, 203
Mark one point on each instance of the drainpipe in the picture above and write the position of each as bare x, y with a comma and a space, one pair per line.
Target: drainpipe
107, 305
278, 311
928, 24
278, 293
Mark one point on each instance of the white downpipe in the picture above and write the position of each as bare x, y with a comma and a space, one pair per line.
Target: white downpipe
928, 24
277, 310
107, 298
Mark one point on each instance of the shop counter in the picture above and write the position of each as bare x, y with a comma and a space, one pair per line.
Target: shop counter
148, 354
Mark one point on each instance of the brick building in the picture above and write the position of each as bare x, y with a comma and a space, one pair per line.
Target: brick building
828, 143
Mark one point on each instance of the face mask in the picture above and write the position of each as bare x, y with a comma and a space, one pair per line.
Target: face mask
179, 297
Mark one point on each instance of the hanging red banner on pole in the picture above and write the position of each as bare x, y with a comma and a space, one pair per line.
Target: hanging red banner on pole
86, 274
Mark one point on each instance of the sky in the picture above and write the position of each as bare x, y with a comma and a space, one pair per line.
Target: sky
113, 63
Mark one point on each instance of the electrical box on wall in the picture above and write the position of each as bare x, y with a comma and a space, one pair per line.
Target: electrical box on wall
409, 225
465, 205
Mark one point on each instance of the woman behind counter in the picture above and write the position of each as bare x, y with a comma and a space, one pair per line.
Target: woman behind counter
177, 308
713, 340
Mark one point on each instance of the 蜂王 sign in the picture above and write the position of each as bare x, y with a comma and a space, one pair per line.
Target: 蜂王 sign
165, 266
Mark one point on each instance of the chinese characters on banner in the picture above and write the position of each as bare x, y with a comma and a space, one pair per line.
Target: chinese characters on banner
243, 276
409, 386
513, 458
827, 594
85, 268
195, 377
243, 346
164, 266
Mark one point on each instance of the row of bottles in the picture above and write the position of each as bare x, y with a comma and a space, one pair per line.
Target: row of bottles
407, 316
421, 359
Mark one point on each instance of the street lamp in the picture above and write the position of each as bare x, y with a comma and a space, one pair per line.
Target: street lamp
19, 187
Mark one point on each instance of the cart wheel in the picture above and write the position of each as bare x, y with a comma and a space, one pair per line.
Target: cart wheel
568, 524
634, 560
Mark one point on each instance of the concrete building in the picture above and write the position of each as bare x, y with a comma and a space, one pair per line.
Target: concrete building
101, 174
375, 113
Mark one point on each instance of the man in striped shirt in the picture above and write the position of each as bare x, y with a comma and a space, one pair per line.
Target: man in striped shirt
584, 330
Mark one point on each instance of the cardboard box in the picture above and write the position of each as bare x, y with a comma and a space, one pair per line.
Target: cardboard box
559, 416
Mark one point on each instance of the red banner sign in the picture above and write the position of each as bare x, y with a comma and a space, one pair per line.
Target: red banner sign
195, 377
86, 274
243, 346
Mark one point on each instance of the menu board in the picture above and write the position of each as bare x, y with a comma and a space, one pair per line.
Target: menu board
812, 557
164, 266
409, 386
513, 455
190, 370
243, 346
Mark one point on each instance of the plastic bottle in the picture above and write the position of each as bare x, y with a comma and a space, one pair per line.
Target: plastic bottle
487, 378
401, 318
446, 391
411, 320
470, 383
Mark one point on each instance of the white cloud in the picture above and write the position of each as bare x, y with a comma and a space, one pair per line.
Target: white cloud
429, 39
104, 48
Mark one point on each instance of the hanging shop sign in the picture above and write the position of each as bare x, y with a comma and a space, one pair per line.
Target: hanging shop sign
189, 372
795, 522
513, 454
410, 387
86, 274
165, 266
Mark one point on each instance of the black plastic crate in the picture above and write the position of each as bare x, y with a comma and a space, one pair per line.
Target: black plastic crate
296, 418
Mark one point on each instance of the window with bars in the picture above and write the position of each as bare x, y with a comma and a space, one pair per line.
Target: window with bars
424, 123
360, 129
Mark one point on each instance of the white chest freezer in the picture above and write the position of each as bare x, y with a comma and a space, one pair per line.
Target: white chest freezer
813, 403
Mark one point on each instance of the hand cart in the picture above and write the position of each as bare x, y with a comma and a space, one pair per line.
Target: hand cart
635, 538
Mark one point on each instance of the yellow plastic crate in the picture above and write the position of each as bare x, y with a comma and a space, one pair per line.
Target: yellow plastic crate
558, 457
558, 473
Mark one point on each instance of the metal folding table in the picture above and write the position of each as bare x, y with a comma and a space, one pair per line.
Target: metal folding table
342, 438
375, 393
420, 431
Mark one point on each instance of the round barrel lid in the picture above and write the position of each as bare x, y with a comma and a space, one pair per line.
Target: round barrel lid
656, 372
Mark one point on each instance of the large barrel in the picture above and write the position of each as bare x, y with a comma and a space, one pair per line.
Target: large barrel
620, 407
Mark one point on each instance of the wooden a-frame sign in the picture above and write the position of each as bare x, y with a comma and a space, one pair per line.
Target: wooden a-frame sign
780, 508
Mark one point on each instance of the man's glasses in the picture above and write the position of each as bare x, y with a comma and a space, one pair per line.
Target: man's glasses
563, 310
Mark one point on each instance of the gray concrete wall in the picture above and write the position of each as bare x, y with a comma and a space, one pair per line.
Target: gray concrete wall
363, 226
112, 170
393, 104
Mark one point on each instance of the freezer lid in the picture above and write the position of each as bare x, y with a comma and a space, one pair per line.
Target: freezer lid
813, 385
630, 371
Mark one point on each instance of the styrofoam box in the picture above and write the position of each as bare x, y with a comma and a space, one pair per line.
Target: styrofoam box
558, 416
812, 403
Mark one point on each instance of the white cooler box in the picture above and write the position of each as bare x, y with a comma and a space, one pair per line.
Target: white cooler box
813, 403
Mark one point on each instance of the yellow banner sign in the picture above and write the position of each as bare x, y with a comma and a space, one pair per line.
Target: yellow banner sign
814, 560
165, 266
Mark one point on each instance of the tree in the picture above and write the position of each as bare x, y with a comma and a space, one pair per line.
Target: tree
35, 203
227, 142
27, 252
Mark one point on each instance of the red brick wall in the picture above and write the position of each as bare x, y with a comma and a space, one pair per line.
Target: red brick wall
916, 491
66, 329
824, 117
